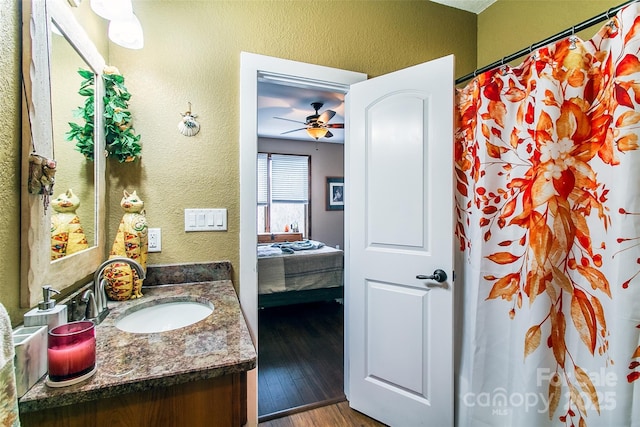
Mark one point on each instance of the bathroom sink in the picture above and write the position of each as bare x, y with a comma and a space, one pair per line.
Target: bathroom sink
164, 315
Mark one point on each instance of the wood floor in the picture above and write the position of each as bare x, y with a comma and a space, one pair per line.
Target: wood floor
300, 359
337, 415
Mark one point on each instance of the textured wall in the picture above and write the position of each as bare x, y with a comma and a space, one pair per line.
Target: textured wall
510, 25
10, 131
192, 53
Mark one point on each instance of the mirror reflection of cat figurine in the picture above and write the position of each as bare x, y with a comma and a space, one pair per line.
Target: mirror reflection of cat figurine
67, 236
122, 282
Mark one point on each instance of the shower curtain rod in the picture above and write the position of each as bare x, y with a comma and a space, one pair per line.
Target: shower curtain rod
561, 35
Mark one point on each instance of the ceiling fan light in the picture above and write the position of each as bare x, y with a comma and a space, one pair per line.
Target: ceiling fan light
112, 9
127, 32
317, 132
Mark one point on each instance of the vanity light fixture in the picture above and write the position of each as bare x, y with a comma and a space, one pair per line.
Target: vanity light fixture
112, 9
124, 27
127, 32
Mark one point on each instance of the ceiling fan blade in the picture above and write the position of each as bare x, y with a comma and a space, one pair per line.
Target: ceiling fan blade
294, 130
334, 125
328, 135
289, 120
326, 116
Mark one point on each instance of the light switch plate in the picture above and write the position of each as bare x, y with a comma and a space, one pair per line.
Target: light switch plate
205, 220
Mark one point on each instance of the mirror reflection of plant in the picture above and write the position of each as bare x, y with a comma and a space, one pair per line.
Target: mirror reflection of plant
84, 134
121, 141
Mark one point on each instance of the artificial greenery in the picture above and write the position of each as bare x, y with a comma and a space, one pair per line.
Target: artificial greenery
121, 141
84, 134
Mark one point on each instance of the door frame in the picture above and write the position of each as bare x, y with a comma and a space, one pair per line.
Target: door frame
253, 66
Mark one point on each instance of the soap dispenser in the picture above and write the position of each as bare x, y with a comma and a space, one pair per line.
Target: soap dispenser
47, 313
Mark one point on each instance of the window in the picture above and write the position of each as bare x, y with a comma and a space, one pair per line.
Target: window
283, 193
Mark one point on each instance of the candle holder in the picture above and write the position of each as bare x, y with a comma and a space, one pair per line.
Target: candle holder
71, 353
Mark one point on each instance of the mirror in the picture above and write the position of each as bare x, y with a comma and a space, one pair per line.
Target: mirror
50, 94
73, 171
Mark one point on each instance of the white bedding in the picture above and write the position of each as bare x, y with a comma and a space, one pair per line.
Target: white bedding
301, 270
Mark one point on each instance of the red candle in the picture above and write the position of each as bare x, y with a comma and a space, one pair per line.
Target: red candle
71, 350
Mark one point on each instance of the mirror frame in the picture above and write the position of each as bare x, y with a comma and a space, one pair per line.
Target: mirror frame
37, 269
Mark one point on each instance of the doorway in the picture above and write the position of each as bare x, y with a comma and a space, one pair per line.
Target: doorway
252, 66
301, 326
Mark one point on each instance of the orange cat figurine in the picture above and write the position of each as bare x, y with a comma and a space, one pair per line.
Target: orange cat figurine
122, 282
67, 236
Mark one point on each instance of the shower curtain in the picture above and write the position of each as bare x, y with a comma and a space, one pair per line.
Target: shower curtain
548, 222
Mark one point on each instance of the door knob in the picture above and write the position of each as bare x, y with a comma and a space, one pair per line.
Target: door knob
438, 275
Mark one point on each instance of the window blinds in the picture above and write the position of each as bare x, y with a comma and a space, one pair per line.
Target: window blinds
263, 179
289, 178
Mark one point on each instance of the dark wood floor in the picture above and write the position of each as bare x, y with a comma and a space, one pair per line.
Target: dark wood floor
337, 415
300, 359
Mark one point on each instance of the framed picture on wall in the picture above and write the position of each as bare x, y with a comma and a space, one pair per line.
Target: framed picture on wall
335, 193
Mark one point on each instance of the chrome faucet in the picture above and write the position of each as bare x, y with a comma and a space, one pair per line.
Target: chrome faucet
100, 300
91, 312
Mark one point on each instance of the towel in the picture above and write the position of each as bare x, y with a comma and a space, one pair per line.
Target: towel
8, 395
290, 247
264, 251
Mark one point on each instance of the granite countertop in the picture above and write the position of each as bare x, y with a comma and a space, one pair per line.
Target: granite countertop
127, 362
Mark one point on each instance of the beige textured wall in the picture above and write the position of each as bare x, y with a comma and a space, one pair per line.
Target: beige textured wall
508, 26
192, 53
10, 130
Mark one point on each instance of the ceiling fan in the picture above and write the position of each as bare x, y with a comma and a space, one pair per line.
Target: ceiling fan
317, 125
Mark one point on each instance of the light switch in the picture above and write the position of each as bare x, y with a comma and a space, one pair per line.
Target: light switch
205, 220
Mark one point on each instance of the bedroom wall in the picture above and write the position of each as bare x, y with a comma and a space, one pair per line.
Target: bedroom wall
326, 160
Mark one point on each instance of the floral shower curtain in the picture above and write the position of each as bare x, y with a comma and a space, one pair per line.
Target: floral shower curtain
548, 220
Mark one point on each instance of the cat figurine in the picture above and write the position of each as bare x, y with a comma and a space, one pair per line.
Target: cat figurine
67, 236
122, 282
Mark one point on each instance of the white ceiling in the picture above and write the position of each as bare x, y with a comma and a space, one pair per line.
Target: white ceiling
294, 103
475, 6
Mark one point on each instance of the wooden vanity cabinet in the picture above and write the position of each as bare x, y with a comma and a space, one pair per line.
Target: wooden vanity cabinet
220, 401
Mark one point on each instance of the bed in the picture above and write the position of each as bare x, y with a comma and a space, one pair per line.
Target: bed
299, 276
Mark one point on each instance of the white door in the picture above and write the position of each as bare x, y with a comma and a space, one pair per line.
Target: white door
399, 198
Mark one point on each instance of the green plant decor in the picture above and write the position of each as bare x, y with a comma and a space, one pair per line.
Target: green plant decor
84, 134
121, 141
